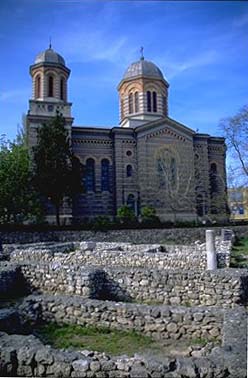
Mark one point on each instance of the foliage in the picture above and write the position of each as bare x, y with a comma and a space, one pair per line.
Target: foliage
236, 133
149, 217
18, 200
148, 212
57, 173
113, 342
239, 254
125, 214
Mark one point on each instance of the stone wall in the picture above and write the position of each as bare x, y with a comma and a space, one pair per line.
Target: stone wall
122, 254
161, 236
159, 322
27, 356
54, 278
225, 288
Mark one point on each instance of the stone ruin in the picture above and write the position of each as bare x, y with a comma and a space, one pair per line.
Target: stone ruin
163, 291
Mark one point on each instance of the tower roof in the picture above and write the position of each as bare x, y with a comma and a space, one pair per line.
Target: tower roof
49, 56
143, 68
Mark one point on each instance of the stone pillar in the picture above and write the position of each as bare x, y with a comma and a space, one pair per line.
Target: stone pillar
210, 249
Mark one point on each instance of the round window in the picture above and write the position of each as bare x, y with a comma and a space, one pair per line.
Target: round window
129, 153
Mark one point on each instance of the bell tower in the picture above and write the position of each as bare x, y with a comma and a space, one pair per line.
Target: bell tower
49, 92
143, 94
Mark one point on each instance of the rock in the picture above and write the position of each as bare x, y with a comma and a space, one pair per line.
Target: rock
87, 245
172, 327
198, 316
138, 372
81, 365
95, 366
44, 356
214, 332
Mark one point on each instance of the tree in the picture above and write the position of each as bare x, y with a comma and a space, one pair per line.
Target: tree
56, 170
176, 184
236, 133
18, 200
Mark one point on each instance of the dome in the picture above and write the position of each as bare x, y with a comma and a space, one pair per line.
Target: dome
49, 56
145, 68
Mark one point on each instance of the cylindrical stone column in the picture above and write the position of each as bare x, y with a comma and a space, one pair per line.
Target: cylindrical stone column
210, 249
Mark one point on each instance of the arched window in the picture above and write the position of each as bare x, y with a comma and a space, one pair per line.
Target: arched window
173, 171
213, 178
148, 99
136, 102
50, 86
105, 175
90, 175
37, 87
129, 170
62, 89
131, 202
130, 103
154, 101
164, 102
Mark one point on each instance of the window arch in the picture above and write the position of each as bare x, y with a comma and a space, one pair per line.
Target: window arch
136, 102
129, 170
164, 102
62, 89
37, 87
131, 202
130, 103
90, 175
154, 101
148, 99
213, 178
50, 86
105, 175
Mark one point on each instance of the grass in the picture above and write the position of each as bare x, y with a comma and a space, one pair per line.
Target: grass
112, 342
99, 339
239, 254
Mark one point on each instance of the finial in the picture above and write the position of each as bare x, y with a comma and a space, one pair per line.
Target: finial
50, 42
142, 53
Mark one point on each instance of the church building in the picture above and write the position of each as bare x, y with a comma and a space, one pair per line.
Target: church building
149, 159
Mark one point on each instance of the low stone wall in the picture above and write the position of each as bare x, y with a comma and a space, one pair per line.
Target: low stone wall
159, 322
224, 287
122, 254
101, 258
56, 278
27, 356
161, 236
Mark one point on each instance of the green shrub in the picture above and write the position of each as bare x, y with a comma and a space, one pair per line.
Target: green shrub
148, 212
125, 214
149, 217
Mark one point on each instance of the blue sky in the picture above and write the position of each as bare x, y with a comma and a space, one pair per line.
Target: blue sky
201, 47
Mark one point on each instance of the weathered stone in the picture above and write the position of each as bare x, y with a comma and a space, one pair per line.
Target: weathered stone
95, 366
81, 365
172, 327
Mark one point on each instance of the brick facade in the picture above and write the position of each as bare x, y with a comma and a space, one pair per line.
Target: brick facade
150, 160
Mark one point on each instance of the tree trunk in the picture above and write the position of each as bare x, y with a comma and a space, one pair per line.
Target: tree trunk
57, 215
